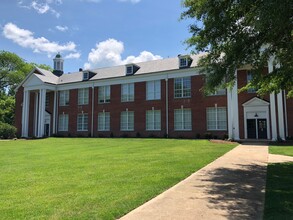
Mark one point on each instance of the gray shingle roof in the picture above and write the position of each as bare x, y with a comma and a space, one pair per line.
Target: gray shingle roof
148, 67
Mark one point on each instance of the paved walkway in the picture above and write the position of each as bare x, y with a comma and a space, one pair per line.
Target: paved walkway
231, 187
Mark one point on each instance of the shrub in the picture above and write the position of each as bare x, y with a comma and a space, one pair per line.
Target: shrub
225, 137
208, 136
7, 131
112, 134
197, 136
137, 135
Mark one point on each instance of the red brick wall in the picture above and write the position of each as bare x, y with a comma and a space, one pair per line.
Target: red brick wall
244, 97
18, 110
198, 103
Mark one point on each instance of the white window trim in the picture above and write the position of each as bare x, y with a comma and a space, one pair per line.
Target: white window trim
185, 62
64, 98
62, 122
81, 96
148, 98
182, 120
104, 121
216, 118
82, 122
104, 88
128, 95
182, 88
153, 120
130, 67
127, 121
86, 75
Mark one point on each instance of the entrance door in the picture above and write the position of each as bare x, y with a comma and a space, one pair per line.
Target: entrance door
251, 128
262, 128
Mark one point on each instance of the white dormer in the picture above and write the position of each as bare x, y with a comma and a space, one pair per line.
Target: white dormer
130, 69
85, 75
184, 61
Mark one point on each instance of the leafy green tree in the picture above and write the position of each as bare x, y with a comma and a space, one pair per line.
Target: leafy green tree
7, 108
243, 32
13, 70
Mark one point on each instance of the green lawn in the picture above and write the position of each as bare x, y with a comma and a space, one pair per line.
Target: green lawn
282, 149
279, 189
84, 178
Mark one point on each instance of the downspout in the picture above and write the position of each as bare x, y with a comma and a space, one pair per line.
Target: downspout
167, 108
93, 98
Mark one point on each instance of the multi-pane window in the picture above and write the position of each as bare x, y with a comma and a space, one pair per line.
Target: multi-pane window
127, 121
216, 118
249, 79
104, 94
127, 92
219, 92
82, 122
183, 62
64, 98
153, 90
182, 87
104, 121
83, 96
153, 120
63, 122
182, 119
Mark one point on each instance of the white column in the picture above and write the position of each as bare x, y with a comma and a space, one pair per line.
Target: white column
42, 105
273, 106
233, 114
281, 124
36, 114
54, 112
25, 113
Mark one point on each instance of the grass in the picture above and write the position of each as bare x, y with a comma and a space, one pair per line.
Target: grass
279, 188
282, 149
86, 178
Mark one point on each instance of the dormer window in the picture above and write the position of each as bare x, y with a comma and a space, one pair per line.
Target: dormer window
85, 75
129, 70
184, 61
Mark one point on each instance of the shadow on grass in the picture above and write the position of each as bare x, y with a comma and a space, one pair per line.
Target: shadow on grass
279, 193
239, 192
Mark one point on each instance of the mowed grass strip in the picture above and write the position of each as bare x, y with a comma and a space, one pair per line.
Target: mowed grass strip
286, 150
279, 187
85, 178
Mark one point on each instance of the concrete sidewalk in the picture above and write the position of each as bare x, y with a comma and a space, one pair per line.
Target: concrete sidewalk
231, 187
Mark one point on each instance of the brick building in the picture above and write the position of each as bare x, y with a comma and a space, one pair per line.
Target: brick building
160, 98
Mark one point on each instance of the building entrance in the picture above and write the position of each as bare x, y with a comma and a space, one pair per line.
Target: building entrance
257, 128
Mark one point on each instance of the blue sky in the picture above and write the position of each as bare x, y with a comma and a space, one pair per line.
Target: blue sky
93, 33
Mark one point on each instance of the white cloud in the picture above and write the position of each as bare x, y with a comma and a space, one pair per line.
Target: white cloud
41, 6
26, 39
61, 28
132, 1
108, 53
73, 56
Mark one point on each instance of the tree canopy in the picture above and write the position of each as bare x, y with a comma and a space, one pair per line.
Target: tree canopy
13, 70
236, 33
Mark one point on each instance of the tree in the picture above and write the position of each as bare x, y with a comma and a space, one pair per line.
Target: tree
243, 32
13, 70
